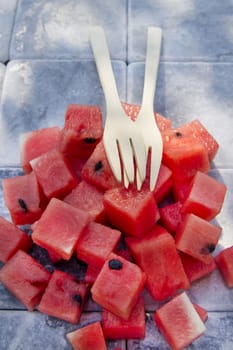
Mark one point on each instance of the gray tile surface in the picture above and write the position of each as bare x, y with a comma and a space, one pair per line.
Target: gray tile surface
7, 16
59, 29
193, 29
51, 65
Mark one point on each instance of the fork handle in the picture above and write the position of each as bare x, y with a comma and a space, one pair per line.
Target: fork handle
154, 37
104, 67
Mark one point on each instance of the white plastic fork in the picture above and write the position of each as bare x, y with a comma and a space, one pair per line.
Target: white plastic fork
122, 139
146, 119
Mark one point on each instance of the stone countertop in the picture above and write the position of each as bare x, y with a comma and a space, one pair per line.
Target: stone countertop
46, 63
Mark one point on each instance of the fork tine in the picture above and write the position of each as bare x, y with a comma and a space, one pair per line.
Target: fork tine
112, 152
155, 161
126, 153
140, 158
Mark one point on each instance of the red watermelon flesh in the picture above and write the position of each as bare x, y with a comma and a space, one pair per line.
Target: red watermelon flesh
64, 297
181, 189
179, 322
91, 274
96, 243
115, 327
133, 110
54, 174
171, 217
25, 278
195, 268
131, 211
224, 262
205, 197
82, 131
34, 143
23, 198
59, 228
88, 198
157, 256
184, 156
118, 286
197, 237
197, 130
89, 337
12, 239
97, 170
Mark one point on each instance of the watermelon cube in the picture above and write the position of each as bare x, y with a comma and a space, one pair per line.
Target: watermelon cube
197, 130
114, 327
163, 184
170, 216
88, 338
224, 262
91, 274
96, 243
205, 197
132, 111
197, 237
12, 239
131, 211
118, 286
64, 297
195, 268
59, 228
25, 278
23, 198
179, 322
157, 256
184, 156
88, 198
54, 174
97, 171
34, 143
181, 188
82, 131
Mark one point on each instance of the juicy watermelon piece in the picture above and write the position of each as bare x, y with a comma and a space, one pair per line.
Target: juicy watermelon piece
82, 131
132, 110
179, 322
34, 143
25, 278
97, 170
96, 243
153, 254
91, 274
184, 156
88, 198
54, 174
197, 130
118, 286
12, 239
76, 164
171, 217
59, 228
197, 237
181, 189
115, 327
88, 338
205, 197
134, 212
196, 269
64, 297
23, 198
224, 261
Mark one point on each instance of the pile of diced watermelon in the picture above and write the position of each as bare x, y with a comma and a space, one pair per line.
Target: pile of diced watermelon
130, 240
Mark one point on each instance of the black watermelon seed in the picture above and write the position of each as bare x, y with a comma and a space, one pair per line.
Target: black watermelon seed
115, 264
78, 299
98, 165
23, 205
209, 248
89, 140
178, 134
